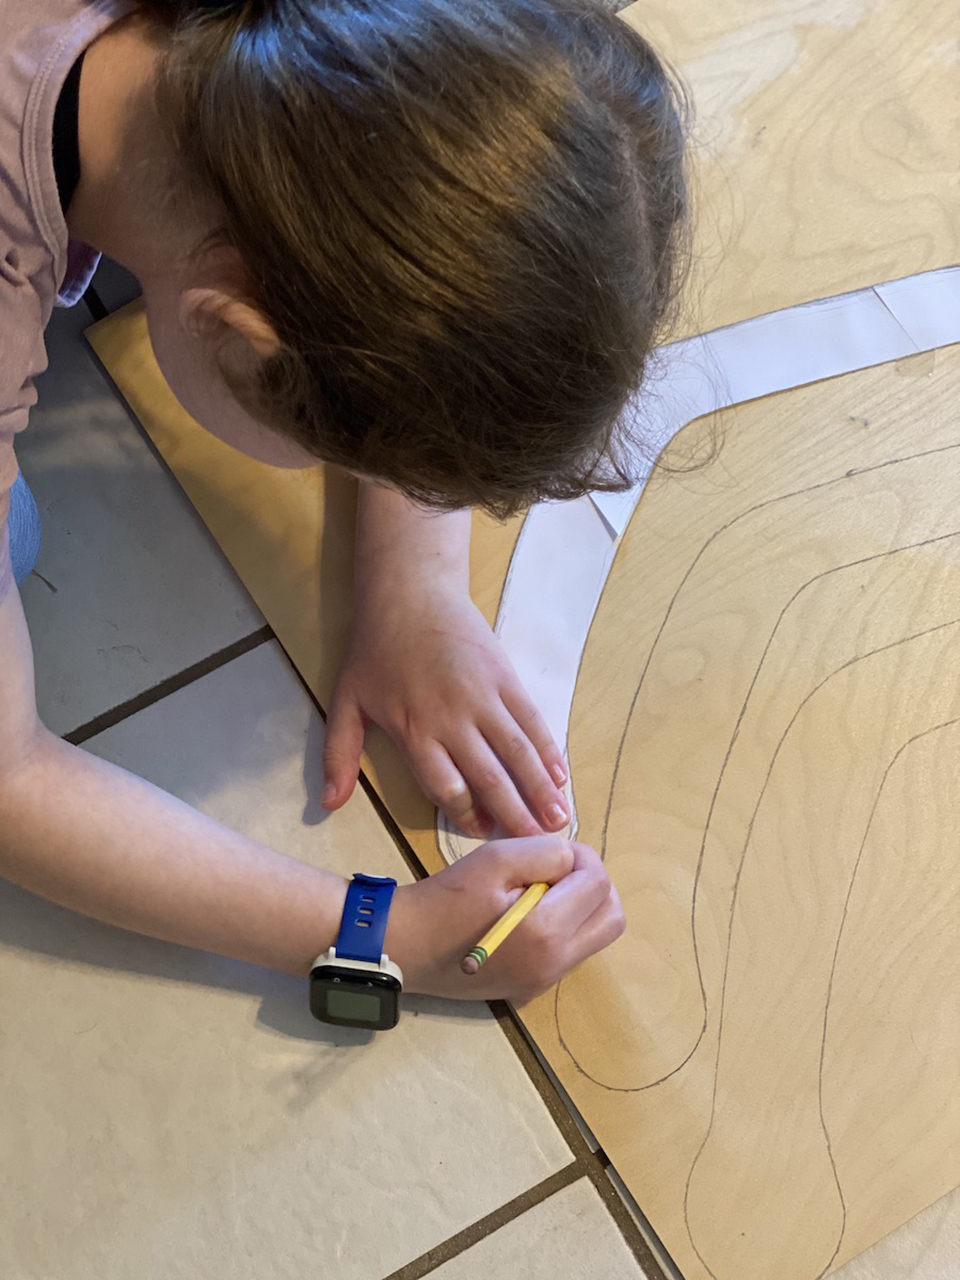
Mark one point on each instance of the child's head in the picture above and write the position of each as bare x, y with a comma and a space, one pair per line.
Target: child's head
460, 218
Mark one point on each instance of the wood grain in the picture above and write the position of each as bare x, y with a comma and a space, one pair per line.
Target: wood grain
826, 145
766, 732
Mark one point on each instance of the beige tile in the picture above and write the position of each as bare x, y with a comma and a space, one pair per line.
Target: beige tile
925, 1248
142, 591
168, 1114
570, 1236
585, 1131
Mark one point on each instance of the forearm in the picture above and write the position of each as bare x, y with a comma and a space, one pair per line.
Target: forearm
399, 542
92, 837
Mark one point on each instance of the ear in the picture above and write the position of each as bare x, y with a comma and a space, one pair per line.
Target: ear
202, 310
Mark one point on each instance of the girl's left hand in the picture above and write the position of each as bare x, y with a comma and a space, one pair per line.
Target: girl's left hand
426, 667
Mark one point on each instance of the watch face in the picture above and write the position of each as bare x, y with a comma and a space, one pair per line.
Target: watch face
355, 998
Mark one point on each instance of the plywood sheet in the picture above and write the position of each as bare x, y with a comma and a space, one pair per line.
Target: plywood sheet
826, 145
766, 746
290, 536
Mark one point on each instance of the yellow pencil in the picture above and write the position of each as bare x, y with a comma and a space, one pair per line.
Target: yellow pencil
488, 944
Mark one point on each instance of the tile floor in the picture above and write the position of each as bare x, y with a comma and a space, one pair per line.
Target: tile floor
169, 1113
173, 1114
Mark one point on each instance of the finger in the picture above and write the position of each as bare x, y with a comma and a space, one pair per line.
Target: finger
493, 788
443, 784
573, 900
560, 951
341, 751
599, 930
530, 719
524, 861
523, 761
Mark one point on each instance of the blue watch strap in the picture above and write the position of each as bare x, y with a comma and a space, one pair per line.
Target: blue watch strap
364, 920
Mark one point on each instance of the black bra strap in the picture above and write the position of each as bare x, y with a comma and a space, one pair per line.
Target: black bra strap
66, 139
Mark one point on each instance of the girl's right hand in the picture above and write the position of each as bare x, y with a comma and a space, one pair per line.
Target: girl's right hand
434, 922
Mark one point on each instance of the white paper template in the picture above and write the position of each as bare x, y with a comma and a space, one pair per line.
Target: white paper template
928, 306
570, 557
786, 349
565, 550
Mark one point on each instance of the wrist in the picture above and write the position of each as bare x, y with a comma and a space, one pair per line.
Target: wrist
330, 915
404, 548
382, 588
406, 940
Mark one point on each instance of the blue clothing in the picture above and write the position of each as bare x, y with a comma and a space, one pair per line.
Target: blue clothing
26, 531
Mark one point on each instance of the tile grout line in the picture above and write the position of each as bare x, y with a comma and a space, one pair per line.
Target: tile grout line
148, 697
559, 1111
594, 1165
488, 1225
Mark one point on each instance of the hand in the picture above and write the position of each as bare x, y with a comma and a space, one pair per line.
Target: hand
435, 922
424, 665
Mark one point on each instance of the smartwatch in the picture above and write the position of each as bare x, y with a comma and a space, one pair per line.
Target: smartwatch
355, 984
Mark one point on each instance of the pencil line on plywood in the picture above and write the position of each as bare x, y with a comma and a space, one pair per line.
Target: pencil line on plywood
947, 724
847, 476
851, 885
813, 693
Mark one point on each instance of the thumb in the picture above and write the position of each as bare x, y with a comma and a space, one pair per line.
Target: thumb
341, 751
529, 859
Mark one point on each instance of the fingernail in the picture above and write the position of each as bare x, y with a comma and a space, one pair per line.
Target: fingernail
559, 774
556, 815
329, 792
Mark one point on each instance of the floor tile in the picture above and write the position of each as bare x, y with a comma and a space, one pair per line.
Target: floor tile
171, 1114
570, 1236
585, 1131
139, 590
925, 1248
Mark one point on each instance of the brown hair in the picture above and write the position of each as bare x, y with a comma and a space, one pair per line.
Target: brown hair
462, 217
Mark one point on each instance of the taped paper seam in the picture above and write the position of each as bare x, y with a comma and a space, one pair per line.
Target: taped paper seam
565, 550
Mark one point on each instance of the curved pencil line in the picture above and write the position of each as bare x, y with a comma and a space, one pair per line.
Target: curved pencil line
848, 475
946, 724
623, 738
913, 546
733, 905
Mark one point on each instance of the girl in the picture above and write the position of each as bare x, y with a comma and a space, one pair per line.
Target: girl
430, 241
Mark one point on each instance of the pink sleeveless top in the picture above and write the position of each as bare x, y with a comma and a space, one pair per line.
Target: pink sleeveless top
40, 267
